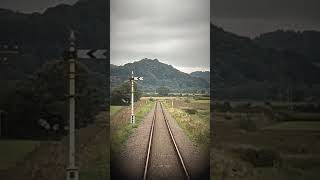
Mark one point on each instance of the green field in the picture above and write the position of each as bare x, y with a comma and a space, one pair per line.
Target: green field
201, 101
297, 125
13, 151
115, 109
287, 137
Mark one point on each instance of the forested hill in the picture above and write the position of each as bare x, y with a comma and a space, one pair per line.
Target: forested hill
306, 43
157, 74
245, 68
201, 74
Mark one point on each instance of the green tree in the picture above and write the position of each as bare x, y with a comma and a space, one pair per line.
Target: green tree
44, 97
163, 91
121, 95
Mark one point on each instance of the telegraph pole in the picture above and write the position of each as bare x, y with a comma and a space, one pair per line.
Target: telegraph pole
132, 99
72, 169
71, 56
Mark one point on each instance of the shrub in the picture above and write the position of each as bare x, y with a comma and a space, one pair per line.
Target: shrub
227, 106
267, 103
261, 157
247, 124
190, 111
228, 116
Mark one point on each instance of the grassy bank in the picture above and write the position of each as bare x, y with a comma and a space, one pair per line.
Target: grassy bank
193, 116
115, 109
98, 165
13, 151
123, 132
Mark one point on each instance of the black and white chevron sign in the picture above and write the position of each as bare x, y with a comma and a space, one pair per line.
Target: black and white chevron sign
6, 49
92, 53
138, 78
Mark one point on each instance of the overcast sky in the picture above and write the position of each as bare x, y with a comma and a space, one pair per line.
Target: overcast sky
244, 17
159, 28
253, 17
29, 6
174, 32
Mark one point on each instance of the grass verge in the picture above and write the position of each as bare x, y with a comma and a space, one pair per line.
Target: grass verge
97, 167
115, 109
13, 151
296, 125
196, 125
123, 133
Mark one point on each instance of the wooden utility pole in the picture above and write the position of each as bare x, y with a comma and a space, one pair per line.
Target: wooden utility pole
72, 169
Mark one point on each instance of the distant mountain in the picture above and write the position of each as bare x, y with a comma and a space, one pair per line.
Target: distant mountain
245, 69
201, 74
241, 67
46, 35
43, 37
306, 43
157, 74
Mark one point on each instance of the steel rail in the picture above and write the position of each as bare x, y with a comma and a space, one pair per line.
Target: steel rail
173, 141
175, 144
150, 142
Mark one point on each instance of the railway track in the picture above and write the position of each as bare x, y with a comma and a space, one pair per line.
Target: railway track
163, 158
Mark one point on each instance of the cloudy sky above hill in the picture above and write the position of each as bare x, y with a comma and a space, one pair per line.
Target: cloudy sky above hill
29, 6
253, 17
175, 32
244, 17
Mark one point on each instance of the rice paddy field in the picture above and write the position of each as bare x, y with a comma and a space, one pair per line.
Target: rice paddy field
264, 142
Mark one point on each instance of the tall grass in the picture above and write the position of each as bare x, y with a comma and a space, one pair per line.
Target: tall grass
196, 125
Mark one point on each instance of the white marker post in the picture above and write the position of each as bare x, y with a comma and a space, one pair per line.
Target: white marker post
132, 79
132, 99
172, 103
72, 169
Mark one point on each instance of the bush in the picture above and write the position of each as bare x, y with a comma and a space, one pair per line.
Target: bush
261, 157
227, 106
187, 100
247, 124
191, 111
267, 103
228, 117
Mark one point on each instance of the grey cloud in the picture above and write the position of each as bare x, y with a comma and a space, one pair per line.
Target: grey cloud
175, 32
29, 6
288, 9
253, 17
